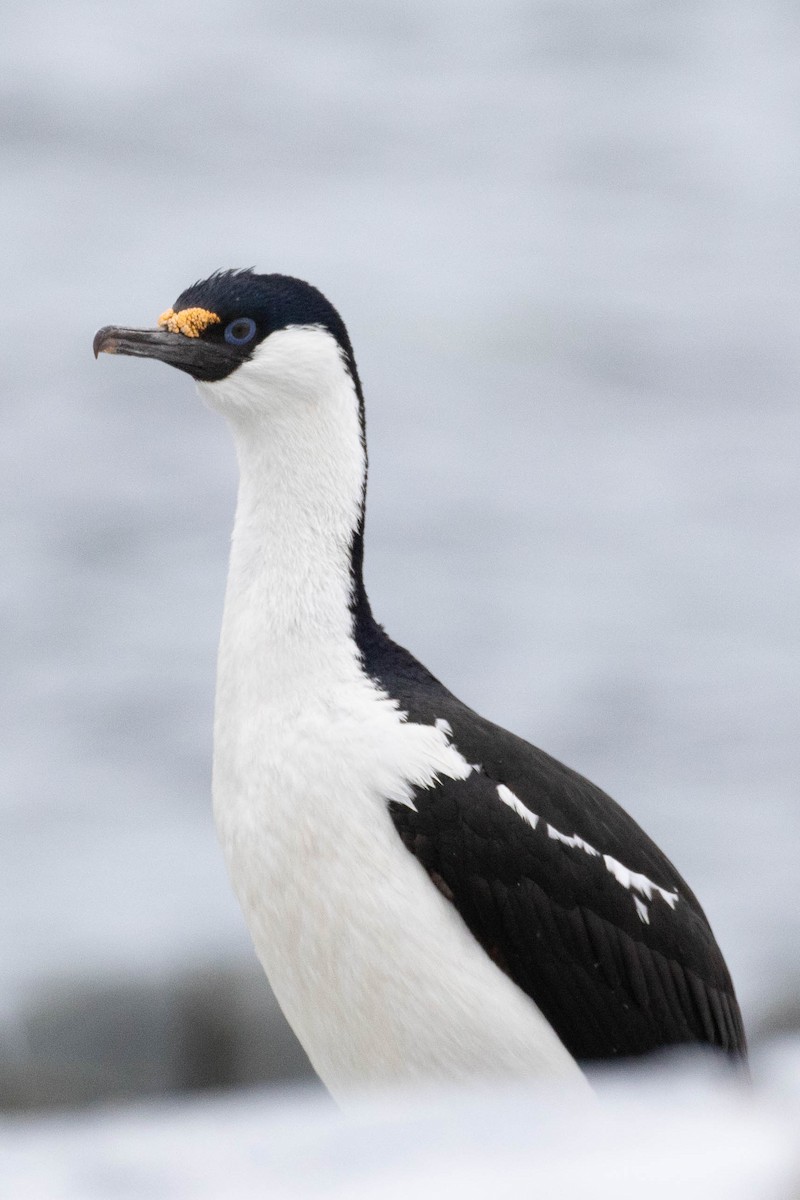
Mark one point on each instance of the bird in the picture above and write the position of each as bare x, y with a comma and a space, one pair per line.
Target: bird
433, 899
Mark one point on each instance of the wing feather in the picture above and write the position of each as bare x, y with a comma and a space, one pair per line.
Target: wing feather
561, 924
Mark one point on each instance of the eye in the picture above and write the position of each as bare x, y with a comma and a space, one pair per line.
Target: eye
241, 331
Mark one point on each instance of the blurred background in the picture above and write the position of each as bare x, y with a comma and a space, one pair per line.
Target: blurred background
564, 237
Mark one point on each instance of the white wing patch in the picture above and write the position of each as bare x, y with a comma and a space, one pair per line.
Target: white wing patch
632, 880
508, 797
576, 842
639, 883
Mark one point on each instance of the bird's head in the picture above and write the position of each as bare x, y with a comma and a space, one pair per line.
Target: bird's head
272, 355
255, 344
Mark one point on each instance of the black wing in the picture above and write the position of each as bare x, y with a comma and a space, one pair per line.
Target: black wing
615, 972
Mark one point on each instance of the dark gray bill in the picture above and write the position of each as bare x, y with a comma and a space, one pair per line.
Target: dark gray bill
204, 360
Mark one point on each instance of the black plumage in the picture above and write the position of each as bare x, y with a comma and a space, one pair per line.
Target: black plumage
553, 916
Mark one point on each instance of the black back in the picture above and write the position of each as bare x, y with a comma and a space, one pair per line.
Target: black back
552, 916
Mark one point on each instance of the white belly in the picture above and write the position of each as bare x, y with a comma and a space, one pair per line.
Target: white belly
374, 969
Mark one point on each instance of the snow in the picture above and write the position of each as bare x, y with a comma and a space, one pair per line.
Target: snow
684, 1130
564, 239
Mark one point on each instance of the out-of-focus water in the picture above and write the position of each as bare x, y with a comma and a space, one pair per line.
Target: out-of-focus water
564, 238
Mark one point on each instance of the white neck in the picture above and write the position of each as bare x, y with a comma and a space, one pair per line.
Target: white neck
294, 413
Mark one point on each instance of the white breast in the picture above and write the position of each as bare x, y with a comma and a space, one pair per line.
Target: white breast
373, 967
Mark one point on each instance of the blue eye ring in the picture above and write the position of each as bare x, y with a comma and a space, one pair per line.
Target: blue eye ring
240, 332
